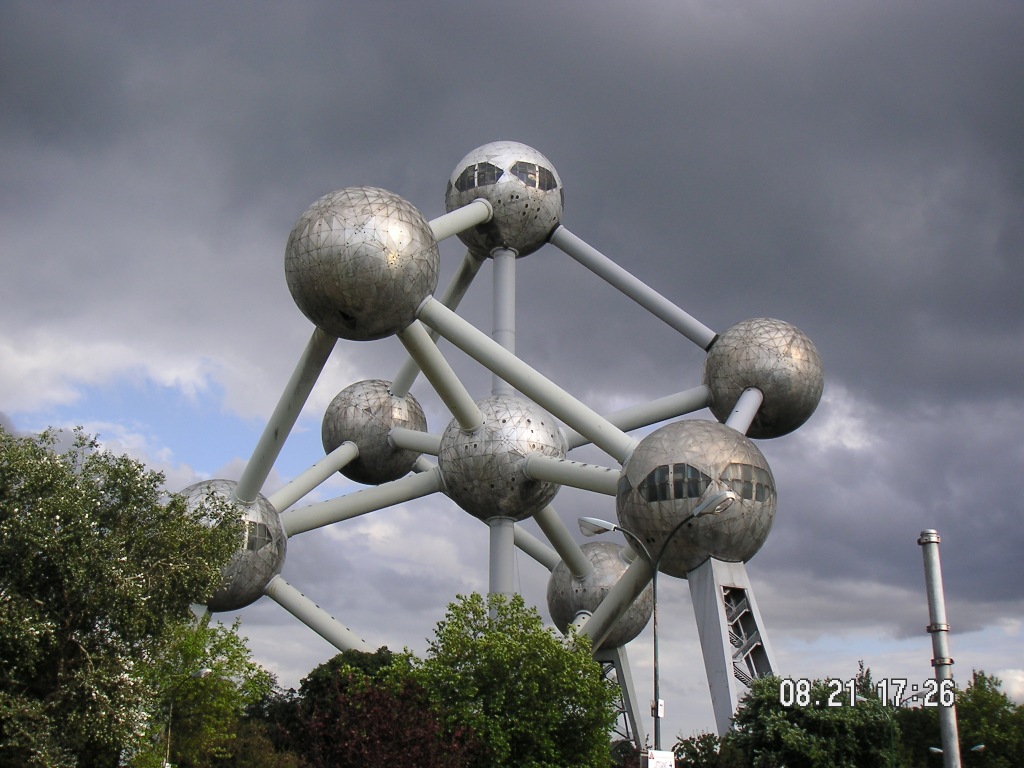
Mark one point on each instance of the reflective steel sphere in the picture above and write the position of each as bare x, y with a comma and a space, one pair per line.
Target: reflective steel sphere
482, 470
261, 551
776, 358
364, 413
568, 596
676, 468
360, 261
523, 189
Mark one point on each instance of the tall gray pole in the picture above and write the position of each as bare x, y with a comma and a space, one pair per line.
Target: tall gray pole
939, 630
296, 392
504, 310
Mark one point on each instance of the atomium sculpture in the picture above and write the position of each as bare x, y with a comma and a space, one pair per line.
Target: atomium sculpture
362, 264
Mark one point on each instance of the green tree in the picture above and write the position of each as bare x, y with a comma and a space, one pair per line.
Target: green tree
203, 680
361, 709
988, 716
699, 751
985, 715
811, 726
99, 565
533, 698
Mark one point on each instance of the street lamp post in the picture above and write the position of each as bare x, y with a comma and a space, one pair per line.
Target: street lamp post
204, 672
591, 526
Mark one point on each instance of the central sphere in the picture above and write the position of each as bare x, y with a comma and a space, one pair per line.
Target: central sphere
673, 471
524, 192
483, 469
261, 551
360, 261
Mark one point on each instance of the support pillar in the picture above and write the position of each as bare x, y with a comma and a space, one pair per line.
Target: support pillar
732, 637
614, 661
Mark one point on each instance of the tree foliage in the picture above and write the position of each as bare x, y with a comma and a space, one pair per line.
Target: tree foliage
360, 709
98, 567
812, 734
985, 716
530, 696
203, 680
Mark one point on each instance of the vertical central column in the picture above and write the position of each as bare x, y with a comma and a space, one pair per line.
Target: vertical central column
504, 330
502, 531
502, 565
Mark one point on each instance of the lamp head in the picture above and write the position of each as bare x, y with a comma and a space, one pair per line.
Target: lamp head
592, 526
716, 504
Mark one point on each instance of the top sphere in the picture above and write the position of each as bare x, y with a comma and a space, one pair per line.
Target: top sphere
360, 261
776, 358
523, 189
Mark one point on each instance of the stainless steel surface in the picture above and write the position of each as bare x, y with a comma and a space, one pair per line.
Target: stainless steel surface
364, 413
673, 471
567, 596
359, 261
524, 192
261, 551
774, 357
483, 469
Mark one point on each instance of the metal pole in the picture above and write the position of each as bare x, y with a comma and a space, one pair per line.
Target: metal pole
453, 222
313, 616
745, 410
313, 477
633, 287
538, 388
295, 394
449, 388
646, 414
361, 502
939, 630
502, 559
575, 558
504, 310
536, 548
451, 297
589, 477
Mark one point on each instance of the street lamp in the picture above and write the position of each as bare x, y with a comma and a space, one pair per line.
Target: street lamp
591, 526
199, 673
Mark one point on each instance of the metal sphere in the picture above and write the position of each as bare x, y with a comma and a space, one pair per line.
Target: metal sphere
364, 413
567, 596
523, 189
359, 263
482, 470
776, 358
261, 551
677, 467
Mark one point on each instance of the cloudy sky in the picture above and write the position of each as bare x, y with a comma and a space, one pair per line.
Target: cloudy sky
855, 169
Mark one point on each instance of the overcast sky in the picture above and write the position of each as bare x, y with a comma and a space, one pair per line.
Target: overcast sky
853, 168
